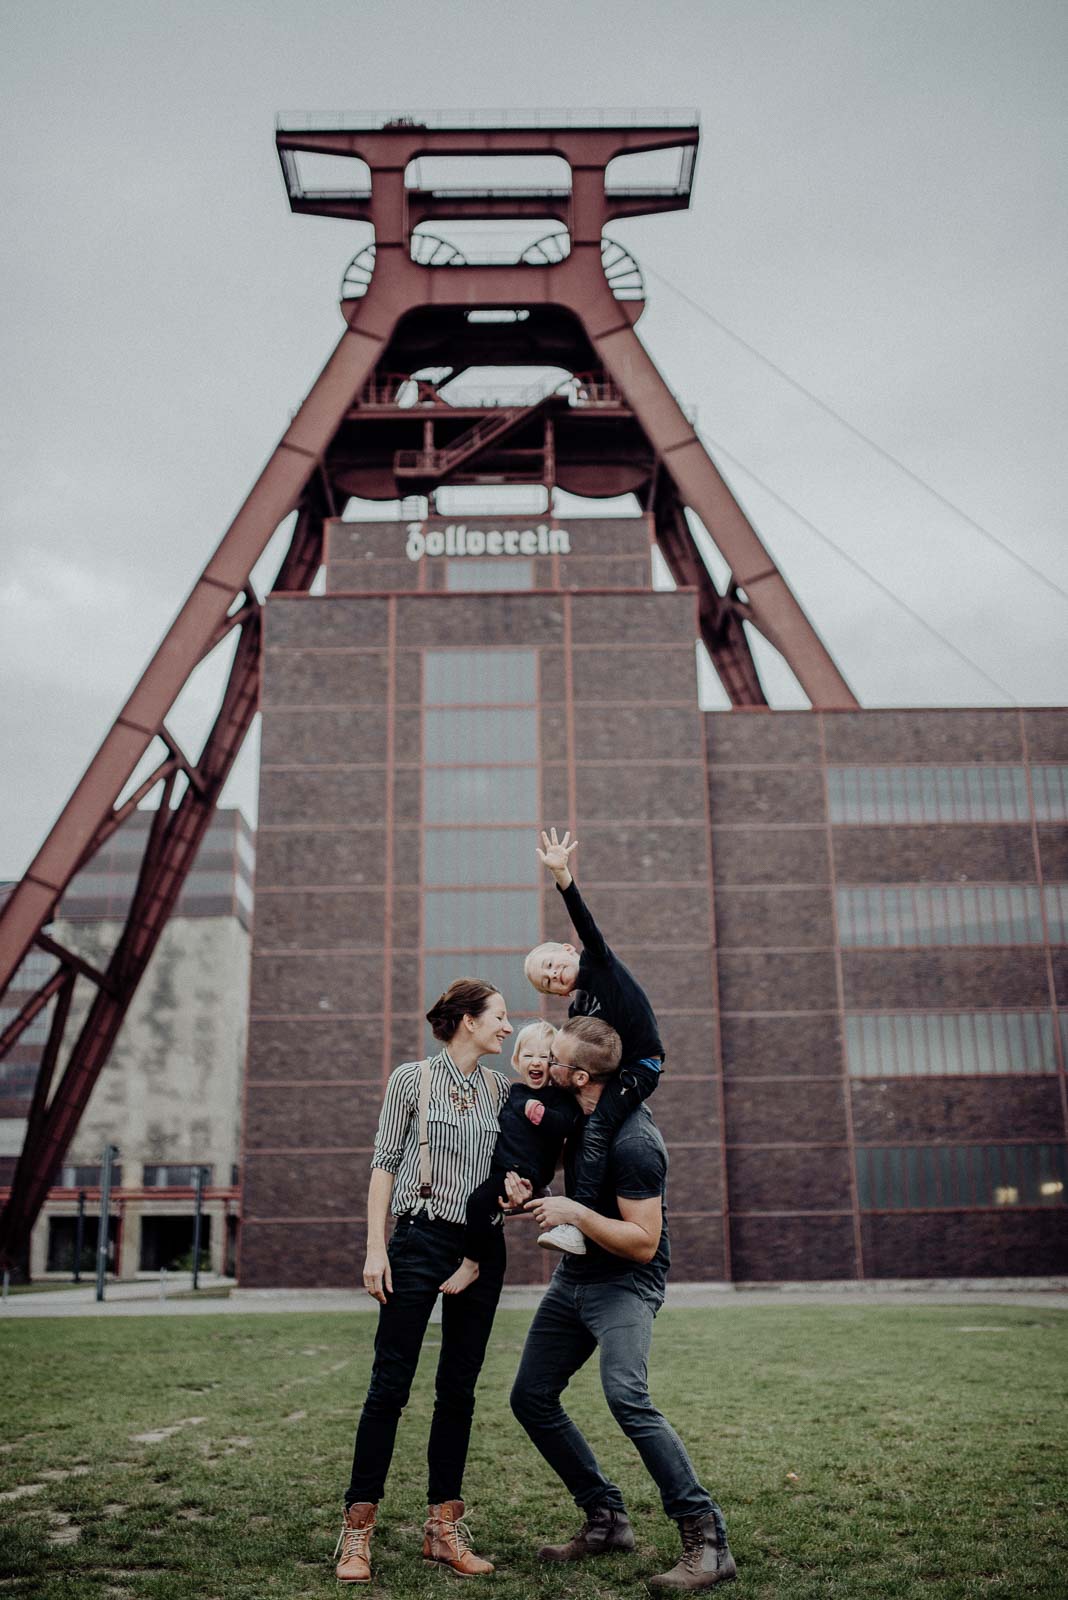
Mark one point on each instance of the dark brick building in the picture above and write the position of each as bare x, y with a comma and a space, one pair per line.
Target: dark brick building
852, 925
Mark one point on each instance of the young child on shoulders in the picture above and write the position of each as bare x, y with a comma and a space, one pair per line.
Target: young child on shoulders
599, 985
535, 1120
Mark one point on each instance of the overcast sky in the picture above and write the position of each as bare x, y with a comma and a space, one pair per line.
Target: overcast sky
878, 207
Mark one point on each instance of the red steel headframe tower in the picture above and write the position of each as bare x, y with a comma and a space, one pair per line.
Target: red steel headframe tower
412, 304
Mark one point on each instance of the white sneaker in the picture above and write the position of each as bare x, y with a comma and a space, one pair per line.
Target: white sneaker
566, 1237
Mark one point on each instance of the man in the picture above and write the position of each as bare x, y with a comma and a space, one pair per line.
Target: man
606, 1300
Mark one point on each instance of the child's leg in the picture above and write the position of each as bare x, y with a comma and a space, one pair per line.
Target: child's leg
631, 1085
483, 1215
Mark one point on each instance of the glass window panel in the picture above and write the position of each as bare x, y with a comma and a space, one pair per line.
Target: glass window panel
1052, 1176
928, 1177
504, 970
1050, 786
882, 810
953, 793
914, 1039
895, 1193
482, 919
992, 1044
944, 1185
864, 805
480, 794
480, 677
454, 736
951, 1036
1056, 898
891, 916
468, 574
1015, 1049
174, 1177
476, 856
854, 1033
935, 801
934, 1043
1016, 779
941, 794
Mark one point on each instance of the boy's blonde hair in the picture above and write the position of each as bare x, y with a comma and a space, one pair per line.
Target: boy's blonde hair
531, 960
539, 1026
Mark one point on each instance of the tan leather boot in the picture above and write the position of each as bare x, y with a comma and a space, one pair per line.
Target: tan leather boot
706, 1558
445, 1539
354, 1544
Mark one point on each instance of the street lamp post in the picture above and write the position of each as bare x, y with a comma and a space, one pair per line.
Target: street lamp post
79, 1237
198, 1209
110, 1152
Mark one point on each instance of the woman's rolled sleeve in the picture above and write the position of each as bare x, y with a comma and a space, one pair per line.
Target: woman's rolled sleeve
395, 1119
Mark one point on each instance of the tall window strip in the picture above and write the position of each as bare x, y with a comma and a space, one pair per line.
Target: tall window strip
931, 1044
481, 786
933, 794
946, 1177
896, 916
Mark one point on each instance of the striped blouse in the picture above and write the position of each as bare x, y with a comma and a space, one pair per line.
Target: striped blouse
463, 1129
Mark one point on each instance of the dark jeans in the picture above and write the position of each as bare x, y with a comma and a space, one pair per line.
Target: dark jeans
422, 1254
626, 1089
616, 1319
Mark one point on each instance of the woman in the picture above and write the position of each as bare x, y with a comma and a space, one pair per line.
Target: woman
471, 1021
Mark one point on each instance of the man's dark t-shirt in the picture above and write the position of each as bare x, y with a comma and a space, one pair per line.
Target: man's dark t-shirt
636, 1170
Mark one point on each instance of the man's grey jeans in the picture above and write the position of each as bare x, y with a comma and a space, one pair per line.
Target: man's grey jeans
616, 1319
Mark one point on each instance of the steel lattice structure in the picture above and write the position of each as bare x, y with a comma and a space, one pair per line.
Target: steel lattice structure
412, 302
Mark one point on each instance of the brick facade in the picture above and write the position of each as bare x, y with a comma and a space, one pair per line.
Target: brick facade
712, 860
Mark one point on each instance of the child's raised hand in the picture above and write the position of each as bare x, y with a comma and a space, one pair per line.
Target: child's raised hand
556, 852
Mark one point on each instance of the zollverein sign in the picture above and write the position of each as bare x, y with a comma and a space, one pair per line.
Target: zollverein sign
457, 539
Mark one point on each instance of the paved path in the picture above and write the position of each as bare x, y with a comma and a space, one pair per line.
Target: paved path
141, 1298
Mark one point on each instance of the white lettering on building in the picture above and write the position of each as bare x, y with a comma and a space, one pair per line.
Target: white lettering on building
457, 539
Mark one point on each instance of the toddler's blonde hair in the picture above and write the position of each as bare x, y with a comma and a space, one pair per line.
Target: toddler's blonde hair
532, 1027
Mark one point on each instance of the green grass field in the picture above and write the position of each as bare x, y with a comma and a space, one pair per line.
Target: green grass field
856, 1451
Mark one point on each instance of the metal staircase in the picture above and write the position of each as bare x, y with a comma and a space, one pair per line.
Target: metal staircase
501, 420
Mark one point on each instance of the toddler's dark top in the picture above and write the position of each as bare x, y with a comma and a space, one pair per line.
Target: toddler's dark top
533, 1148
605, 988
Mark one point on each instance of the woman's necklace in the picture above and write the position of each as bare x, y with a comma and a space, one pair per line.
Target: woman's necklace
463, 1096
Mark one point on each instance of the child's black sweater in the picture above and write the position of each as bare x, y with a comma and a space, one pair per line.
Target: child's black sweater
530, 1148
606, 989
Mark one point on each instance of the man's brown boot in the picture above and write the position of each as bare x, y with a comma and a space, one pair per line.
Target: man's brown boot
605, 1532
354, 1545
445, 1539
706, 1558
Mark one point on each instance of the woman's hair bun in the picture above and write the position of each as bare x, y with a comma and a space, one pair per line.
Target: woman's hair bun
465, 997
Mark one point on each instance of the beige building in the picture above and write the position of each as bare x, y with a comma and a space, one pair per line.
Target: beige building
169, 1098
